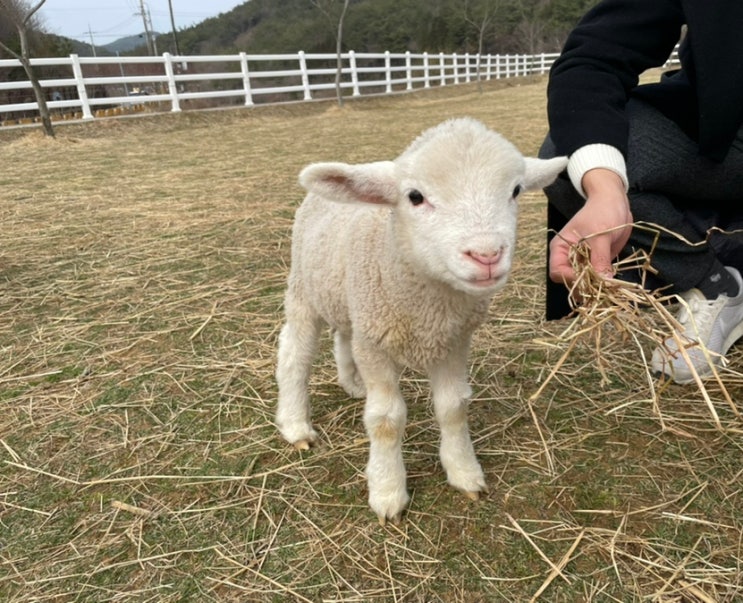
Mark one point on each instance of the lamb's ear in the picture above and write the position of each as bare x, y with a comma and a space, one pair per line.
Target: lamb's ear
542, 172
360, 183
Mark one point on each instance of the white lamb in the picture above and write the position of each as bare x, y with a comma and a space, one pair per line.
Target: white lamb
403, 271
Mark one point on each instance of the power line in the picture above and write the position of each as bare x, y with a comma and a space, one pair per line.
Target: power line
117, 26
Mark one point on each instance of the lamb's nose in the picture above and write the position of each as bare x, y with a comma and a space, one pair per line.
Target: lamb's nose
488, 258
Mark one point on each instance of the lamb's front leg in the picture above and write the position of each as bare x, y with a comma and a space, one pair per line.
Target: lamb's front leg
451, 393
297, 343
384, 418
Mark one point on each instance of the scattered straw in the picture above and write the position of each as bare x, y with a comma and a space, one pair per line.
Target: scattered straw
141, 277
623, 311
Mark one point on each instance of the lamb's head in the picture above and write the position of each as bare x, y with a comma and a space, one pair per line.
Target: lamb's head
453, 194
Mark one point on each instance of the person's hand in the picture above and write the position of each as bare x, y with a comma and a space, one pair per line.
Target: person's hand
603, 222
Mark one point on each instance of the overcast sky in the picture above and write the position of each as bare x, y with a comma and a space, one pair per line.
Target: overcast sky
109, 20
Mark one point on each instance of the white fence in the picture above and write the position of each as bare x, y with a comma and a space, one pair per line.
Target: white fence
85, 87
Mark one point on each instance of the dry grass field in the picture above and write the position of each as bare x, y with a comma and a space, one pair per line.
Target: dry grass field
142, 263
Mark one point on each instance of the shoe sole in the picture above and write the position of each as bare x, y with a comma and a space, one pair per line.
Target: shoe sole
734, 336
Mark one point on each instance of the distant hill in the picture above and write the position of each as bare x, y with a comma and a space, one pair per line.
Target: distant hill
286, 26
129, 43
135, 44
85, 50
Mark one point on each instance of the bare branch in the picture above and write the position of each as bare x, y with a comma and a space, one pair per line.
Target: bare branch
10, 50
14, 10
34, 10
18, 12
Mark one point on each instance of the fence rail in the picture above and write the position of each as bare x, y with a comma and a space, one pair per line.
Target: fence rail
87, 87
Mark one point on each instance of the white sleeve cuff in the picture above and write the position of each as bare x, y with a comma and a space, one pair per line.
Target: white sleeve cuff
594, 156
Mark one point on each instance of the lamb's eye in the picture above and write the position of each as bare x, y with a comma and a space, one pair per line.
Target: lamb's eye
416, 197
517, 191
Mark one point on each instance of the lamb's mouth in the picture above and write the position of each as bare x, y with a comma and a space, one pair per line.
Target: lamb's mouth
487, 282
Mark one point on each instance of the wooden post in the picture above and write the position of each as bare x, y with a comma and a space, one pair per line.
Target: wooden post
408, 71
305, 76
82, 93
354, 73
246, 79
388, 72
172, 86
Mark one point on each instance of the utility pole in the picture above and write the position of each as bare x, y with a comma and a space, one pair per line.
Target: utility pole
152, 32
147, 31
172, 25
92, 43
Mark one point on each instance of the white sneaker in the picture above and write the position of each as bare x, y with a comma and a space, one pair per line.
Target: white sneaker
713, 325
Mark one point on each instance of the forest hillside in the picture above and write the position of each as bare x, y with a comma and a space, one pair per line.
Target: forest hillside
286, 26
496, 26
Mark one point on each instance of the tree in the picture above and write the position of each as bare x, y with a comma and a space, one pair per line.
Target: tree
481, 14
532, 25
330, 8
21, 16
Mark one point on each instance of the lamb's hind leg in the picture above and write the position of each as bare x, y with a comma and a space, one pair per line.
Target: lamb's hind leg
297, 346
349, 377
451, 394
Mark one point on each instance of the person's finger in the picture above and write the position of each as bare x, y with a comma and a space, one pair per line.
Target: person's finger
560, 267
601, 255
622, 238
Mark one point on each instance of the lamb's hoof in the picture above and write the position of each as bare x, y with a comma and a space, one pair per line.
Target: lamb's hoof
475, 496
395, 519
357, 393
354, 389
302, 445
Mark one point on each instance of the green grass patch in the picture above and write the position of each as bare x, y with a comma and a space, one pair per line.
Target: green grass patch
140, 304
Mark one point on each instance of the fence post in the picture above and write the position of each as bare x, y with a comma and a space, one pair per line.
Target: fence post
354, 72
172, 86
82, 93
388, 72
246, 79
305, 76
419, 67
408, 72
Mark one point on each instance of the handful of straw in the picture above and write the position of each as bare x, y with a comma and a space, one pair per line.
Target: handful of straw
607, 309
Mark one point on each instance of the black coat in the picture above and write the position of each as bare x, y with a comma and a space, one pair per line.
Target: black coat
617, 40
